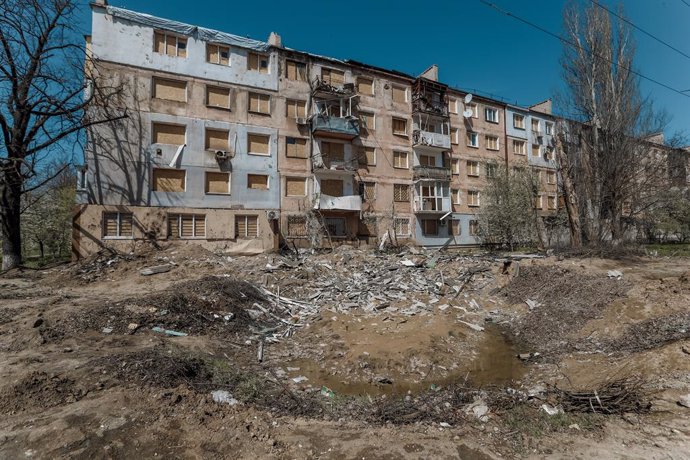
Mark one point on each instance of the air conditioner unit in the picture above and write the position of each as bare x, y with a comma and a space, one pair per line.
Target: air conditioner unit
222, 155
349, 87
273, 215
301, 120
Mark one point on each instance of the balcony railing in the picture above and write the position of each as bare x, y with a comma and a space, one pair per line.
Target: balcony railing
429, 139
431, 172
319, 85
339, 127
432, 204
342, 203
421, 104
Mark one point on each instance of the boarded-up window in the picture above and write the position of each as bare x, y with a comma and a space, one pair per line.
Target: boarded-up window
257, 181
401, 193
247, 226
169, 44
550, 177
295, 186
295, 70
216, 139
427, 160
367, 120
518, 121
365, 86
492, 142
217, 54
552, 202
473, 168
429, 227
455, 136
332, 187
164, 133
333, 77
367, 156
536, 150
297, 226
168, 180
217, 182
259, 103
455, 228
455, 195
334, 151
218, 97
473, 198
186, 225
171, 90
539, 202
399, 94
258, 144
368, 190
400, 160
474, 227
257, 62
296, 147
117, 225
402, 226
295, 108
399, 126
536, 126
453, 105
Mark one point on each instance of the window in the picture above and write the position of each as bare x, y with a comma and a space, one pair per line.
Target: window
552, 202
455, 195
117, 225
473, 168
400, 160
170, 90
453, 105
548, 153
365, 86
472, 140
548, 128
399, 127
455, 136
246, 226
295, 147
216, 139
331, 187
474, 227
455, 229
535, 126
368, 120
186, 225
296, 108
491, 114
217, 183
295, 186
536, 150
368, 190
401, 193
257, 62
169, 44
491, 142
168, 180
427, 160
334, 151
473, 198
474, 109
260, 103
164, 133
257, 181
399, 93
218, 97
297, 226
550, 177
336, 226
518, 121
257, 144
402, 226
519, 147
455, 166
217, 54
295, 70
367, 156
429, 227
539, 202
333, 77
491, 169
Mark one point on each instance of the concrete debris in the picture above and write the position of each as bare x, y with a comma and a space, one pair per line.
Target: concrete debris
532, 304
168, 332
155, 269
444, 425
107, 330
615, 274
479, 409
299, 379
472, 326
224, 397
684, 401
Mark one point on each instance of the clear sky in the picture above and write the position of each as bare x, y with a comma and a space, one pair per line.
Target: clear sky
473, 45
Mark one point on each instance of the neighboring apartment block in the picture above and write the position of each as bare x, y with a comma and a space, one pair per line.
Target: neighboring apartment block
243, 145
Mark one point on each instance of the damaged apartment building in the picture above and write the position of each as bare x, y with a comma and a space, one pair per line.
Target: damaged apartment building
243, 146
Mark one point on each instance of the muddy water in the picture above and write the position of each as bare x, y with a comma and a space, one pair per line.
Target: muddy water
495, 363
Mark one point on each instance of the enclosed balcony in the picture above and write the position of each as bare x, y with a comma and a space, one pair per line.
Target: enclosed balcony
421, 138
335, 127
429, 97
339, 203
432, 197
431, 172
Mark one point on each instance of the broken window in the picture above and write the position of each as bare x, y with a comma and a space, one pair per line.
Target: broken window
257, 62
186, 226
246, 226
296, 147
429, 227
297, 226
296, 108
368, 226
168, 180
172, 45
217, 183
170, 90
218, 97
295, 70
257, 144
216, 139
368, 190
260, 103
491, 169
402, 226
400, 160
400, 126
164, 133
257, 181
336, 226
295, 186
217, 54
365, 86
548, 128
117, 224
401, 193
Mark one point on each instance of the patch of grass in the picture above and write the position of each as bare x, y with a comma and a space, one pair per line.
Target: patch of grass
669, 249
533, 422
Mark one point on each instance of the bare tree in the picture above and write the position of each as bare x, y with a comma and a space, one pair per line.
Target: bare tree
604, 161
44, 97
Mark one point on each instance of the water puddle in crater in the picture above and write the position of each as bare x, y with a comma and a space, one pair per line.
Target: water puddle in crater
495, 363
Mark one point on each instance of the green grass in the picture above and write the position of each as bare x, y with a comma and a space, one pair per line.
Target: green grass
669, 249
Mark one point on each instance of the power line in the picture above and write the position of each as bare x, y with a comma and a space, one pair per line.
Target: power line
641, 29
686, 3
575, 45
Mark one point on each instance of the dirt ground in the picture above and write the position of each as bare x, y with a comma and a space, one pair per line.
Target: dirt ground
346, 354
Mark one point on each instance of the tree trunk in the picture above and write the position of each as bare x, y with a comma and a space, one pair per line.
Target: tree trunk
571, 203
10, 211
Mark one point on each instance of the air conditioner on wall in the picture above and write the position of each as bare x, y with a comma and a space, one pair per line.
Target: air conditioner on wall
301, 120
273, 215
222, 155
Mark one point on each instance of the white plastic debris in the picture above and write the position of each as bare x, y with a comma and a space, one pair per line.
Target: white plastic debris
551, 410
444, 425
224, 397
300, 379
615, 274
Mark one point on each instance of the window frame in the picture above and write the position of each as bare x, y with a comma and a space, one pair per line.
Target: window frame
304, 183
489, 109
473, 193
472, 135
159, 78
548, 128
455, 196
206, 192
268, 182
258, 62
521, 125
372, 117
218, 51
404, 120
177, 37
207, 87
406, 156
487, 138
406, 189
153, 182
373, 90
246, 226
405, 94
249, 152
119, 235
179, 217
305, 153
153, 126
298, 64
470, 165
519, 142
261, 96
406, 222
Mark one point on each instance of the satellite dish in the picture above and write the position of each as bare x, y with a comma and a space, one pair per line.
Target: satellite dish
468, 98
467, 113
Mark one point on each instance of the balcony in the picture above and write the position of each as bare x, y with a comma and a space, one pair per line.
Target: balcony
431, 172
325, 164
424, 105
335, 127
338, 203
428, 139
324, 87
435, 204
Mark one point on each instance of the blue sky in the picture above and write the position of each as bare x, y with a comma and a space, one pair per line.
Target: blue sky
473, 45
